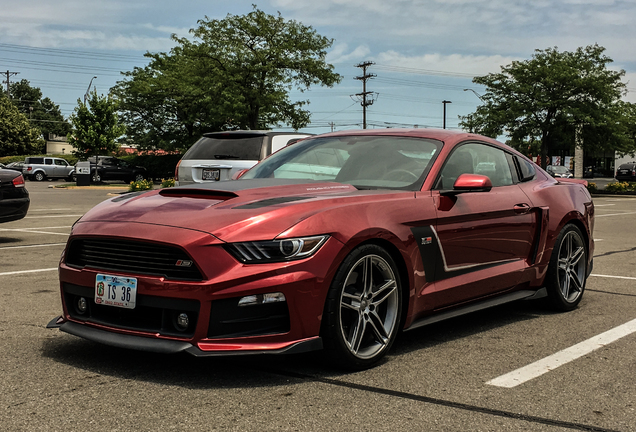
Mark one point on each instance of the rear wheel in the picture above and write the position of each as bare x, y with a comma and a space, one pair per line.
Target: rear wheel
567, 272
363, 308
39, 176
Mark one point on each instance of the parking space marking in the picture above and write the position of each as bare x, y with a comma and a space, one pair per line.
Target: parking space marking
603, 205
547, 364
615, 214
615, 277
32, 246
34, 230
53, 216
59, 209
27, 271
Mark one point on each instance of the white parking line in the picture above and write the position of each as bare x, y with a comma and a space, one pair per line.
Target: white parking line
615, 277
27, 271
52, 216
538, 368
615, 214
60, 209
31, 230
33, 246
603, 205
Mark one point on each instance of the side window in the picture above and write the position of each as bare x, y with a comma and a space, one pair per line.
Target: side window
61, 162
48, 161
476, 158
526, 169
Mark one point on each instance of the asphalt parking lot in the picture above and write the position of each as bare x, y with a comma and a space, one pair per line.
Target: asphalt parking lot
571, 371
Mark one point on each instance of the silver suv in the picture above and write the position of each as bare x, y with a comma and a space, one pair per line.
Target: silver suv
219, 155
41, 168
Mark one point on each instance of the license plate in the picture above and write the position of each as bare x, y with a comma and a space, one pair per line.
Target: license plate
211, 174
115, 291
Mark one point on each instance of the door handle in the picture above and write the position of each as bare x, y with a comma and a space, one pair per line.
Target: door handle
521, 208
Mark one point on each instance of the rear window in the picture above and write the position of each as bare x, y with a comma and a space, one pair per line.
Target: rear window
239, 148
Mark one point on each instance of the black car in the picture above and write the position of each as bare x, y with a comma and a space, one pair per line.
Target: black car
626, 172
14, 197
17, 166
105, 168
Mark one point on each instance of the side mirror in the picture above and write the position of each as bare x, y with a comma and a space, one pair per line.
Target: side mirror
469, 183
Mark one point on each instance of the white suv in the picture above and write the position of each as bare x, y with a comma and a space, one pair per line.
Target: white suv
219, 155
41, 168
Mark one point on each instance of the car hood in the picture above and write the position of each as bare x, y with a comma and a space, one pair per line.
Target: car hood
232, 210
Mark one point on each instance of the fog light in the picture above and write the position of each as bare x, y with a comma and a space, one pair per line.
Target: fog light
257, 299
183, 321
82, 305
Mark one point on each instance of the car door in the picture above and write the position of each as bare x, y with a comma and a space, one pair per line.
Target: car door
485, 238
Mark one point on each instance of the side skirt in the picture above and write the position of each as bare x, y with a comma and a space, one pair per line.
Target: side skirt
483, 304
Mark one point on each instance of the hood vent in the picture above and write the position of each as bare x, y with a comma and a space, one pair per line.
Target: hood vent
272, 201
198, 193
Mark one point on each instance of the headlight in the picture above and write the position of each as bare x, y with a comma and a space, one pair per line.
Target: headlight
276, 250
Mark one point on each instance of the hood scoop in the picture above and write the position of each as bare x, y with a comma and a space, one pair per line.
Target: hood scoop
272, 201
198, 193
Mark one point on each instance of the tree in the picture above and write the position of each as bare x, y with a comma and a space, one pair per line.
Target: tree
95, 126
236, 73
17, 137
42, 112
541, 104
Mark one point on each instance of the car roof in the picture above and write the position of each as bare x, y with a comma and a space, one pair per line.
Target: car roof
249, 133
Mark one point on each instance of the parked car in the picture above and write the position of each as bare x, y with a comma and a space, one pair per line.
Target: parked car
220, 155
17, 166
42, 168
14, 197
365, 234
626, 172
105, 168
558, 171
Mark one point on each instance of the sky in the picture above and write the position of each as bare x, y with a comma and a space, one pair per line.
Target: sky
424, 51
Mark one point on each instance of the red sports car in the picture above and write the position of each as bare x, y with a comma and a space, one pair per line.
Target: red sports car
336, 242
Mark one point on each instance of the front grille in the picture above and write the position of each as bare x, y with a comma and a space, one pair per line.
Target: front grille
132, 257
151, 314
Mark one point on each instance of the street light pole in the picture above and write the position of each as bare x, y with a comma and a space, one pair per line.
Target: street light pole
88, 89
445, 102
476, 94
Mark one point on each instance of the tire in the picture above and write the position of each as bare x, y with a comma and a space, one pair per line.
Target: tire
363, 309
139, 177
96, 178
565, 280
39, 176
72, 178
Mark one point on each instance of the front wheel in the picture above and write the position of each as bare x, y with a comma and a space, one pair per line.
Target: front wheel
567, 272
363, 308
139, 177
96, 178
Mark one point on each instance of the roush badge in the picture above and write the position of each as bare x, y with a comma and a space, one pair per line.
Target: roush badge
184, 263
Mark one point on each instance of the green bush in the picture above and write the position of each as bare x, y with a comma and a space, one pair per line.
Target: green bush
71, 159
620, 187
141, 185
167, 183
592, 188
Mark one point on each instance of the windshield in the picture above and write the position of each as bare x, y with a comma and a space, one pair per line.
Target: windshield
559, 169
366, 162
227, 147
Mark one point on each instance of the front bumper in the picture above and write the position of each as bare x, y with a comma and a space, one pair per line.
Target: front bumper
165, 346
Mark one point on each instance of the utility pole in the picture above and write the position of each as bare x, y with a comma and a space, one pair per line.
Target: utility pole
364, 100
445, 102
8, 74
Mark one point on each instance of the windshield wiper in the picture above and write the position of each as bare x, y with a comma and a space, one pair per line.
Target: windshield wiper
223, 156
